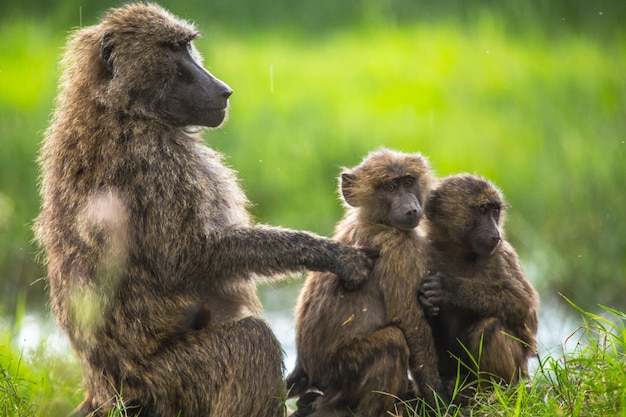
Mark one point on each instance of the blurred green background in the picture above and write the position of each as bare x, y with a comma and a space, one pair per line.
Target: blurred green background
530, 94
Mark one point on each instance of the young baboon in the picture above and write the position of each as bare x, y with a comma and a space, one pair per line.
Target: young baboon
357, 347
150, 250
477, 296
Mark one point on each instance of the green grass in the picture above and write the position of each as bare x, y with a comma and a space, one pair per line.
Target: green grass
37, 383
587, 379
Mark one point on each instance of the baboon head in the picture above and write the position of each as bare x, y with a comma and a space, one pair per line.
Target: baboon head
388, 188
470, 209
148, 67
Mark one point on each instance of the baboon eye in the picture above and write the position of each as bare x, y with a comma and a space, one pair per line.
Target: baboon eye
483, 208
180, 45
408, 182
185, 75
390, 186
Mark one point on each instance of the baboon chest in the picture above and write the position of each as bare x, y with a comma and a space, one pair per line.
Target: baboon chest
398, 272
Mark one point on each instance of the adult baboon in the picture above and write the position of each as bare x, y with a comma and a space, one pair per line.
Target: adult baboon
477, 296
357, 347
150, 252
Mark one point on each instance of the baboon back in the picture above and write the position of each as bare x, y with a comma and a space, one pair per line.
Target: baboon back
150, 251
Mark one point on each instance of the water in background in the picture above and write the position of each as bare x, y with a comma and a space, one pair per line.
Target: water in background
557, 322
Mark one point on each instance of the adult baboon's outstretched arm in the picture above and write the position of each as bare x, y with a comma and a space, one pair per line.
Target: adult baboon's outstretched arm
269, 250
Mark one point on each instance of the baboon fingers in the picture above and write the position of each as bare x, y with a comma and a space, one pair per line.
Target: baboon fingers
356, 265
297, 383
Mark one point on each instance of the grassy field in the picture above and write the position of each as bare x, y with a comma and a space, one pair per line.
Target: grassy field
588, 379
541, 112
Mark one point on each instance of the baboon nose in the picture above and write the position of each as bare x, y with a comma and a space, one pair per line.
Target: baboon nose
227, 93
415, 213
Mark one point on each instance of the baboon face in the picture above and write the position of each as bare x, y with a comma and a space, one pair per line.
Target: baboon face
156, 72
196, 96
485, 236
400, 195
388, 188
470, 209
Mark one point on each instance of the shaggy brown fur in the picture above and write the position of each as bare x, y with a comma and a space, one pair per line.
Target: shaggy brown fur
357, 347
150, 252
476, 293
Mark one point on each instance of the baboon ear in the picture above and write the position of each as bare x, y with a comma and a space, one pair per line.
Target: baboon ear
106, 48
348, 184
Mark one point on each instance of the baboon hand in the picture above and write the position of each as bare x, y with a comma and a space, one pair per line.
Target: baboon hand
355, 265
432, 293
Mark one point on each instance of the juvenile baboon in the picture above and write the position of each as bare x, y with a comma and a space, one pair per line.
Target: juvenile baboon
357, 347
150, 251
476, 294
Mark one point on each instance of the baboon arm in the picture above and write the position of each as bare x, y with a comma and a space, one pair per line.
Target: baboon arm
423, 357
489, 296
500, 289
268, 250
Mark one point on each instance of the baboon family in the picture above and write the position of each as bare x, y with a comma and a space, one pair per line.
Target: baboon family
152, 258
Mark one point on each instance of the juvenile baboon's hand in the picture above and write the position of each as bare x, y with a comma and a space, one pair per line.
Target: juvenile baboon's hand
355, 265
432, 293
